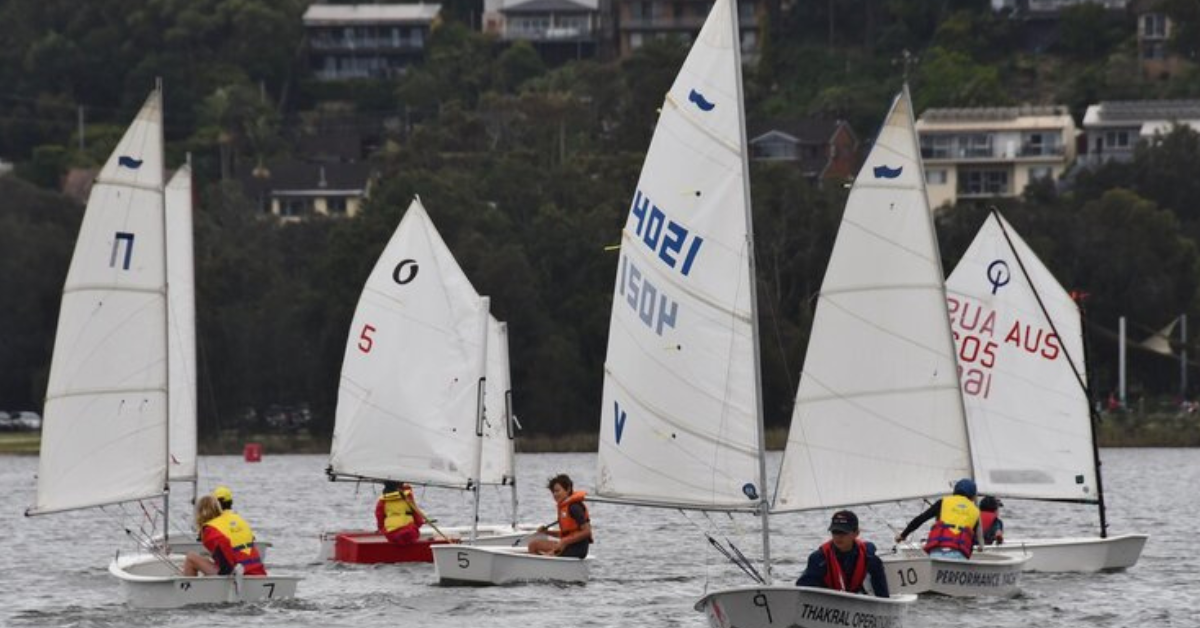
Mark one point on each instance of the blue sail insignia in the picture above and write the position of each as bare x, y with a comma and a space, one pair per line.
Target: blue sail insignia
883, 172
126, 161
700, 101
620, 416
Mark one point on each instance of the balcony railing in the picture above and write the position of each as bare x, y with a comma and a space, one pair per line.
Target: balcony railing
981, 154
663, 23
368, 43
552, 33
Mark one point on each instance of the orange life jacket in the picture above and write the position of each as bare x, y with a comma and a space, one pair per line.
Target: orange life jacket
955, 526
566, 523
834, 578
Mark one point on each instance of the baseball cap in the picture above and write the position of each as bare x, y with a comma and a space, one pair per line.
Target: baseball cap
844, 521
222, 493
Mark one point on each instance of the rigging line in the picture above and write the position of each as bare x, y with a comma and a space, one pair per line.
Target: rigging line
739, 559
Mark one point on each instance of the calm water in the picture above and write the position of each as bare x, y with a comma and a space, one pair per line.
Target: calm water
650, 566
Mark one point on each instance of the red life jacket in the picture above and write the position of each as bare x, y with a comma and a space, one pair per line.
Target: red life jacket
567, 523
834, 578
955, 526
989, 523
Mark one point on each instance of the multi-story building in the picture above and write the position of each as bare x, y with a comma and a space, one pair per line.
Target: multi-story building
560, 30
993, 151
823, 149
639, 21
1154, 28
1113, 128
367, 40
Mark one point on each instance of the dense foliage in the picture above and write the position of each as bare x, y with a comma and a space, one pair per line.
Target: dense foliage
528, 170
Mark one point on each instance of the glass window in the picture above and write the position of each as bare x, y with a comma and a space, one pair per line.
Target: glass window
1041, 172
935, 176
294, 207
936, 146
335, 205
1154, 25
983, 182
977, 145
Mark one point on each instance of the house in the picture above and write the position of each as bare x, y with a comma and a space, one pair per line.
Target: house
993, 151
1112, 129
823, 149
640, 21
295, 190
1154, 30
1040, 21
367, 40
560, 30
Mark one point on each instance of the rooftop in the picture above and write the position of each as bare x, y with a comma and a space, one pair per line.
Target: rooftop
350, 14
993, 114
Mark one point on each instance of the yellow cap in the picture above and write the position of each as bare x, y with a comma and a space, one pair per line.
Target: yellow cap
222, 493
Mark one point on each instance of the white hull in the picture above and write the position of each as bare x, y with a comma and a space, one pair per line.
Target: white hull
986, 574
805, 607
149, 581
1078, 554
487, 535
466, 564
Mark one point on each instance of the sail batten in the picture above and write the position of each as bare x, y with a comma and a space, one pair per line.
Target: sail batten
104, 437
878, 414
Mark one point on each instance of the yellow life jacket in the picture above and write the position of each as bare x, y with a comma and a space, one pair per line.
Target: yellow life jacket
955, 526
240, 536
397, 511
958, 511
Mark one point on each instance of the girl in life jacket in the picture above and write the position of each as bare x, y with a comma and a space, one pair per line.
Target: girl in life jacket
953, 532
229, 540
397, 516
574, 525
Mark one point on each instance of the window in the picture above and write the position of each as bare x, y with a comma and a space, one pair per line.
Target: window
983, 183
936, 146
775, 148
935, 176
977, 145
1154, 50
1116, 139
335, 206
1154, 26
294, 207
635, 41
1039, 173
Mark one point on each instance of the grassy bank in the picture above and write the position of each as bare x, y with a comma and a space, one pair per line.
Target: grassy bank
1125, 429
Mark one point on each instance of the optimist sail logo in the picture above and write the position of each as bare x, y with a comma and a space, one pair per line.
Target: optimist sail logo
125, 161
700, 101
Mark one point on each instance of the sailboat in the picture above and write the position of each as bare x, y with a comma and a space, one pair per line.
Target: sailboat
412, 395
681, 423
1021, 353
105, 439
890, 426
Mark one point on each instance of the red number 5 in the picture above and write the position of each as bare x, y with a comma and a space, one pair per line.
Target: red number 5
365, 342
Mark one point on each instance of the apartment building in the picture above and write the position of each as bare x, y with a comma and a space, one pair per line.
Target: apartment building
993, 151
640, 21
1113, 129
560, 30
367, 40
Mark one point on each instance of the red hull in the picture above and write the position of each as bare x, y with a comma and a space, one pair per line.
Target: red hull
370, 547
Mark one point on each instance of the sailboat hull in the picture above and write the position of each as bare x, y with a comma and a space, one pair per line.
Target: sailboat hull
806, 607
150, 581
487, 535
1076, 554
986, 574
472, 564
181, 546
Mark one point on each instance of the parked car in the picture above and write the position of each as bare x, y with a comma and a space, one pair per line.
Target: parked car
28, 420
8, 423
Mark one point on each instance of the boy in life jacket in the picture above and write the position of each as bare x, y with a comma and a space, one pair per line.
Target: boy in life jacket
574, 525
228, 538
953, 531
845, 563
396, 514
989, 520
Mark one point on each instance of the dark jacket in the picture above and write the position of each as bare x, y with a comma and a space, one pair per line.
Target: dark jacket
814, 573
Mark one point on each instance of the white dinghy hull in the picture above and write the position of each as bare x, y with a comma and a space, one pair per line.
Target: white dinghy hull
986, 574
805, 607
149, 581
487, 535
1077, 554
471, 564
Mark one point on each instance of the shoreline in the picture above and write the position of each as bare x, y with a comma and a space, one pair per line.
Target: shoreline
1117, 430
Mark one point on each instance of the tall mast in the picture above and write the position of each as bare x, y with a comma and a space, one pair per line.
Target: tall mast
763, 505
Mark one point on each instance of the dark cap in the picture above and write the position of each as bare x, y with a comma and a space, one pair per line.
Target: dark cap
844, 521
990, 504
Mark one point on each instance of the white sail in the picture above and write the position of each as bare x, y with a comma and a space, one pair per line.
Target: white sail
497, 466
408, 397
878, 414
181, 303
679, 419
1027, 411
104, 439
